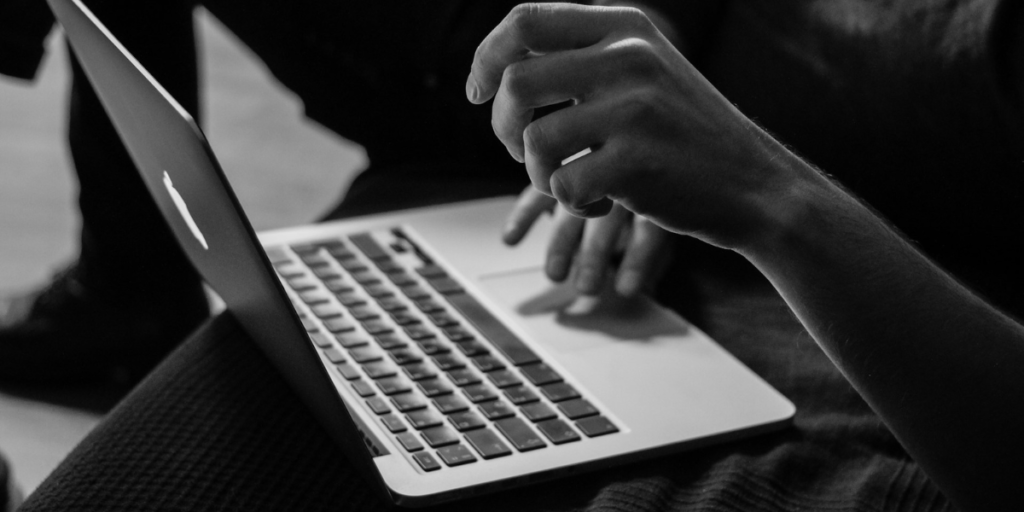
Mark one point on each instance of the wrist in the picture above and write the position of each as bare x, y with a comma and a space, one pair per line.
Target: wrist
789, 206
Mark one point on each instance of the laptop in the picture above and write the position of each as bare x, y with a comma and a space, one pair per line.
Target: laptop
442, 362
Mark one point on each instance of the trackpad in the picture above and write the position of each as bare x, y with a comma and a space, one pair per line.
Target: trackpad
559, 318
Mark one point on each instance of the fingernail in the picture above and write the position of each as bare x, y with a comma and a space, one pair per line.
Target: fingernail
628, 283
472, 91
556, 268
515, 156
588, 281
508, 233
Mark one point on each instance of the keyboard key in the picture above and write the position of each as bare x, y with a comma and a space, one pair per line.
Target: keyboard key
466, 420
488, 363
520, 395
393, 385
401, 279
450, 403
442, 319
434, 387
363, 355
365, 277
364, 312
388, 266
596, 426
378, 290
406, 402
497, 410
370, 248
433, 346
419, 331
376, 327
463, 377
430, 271
558, 431
472, 348
391, 303
439, 436
352, 340
350, 300
379, 370
415, 292
504, 378
538, 411
410, 442
424, 418
301, 249
378, 405
341, 253
338, 286
314, 260
310, 325
419, 371
303, 283
404, 317
348, 371
363, 388
352, 265
393, 423
456, 455
334, 354
405, 356
314, 297
339, 325
326, 273
277, 255
428, 305
540, 374
457, 333
500, 337
445, 285
447, 362
326, 310
479, 393
577, 408
390, 341
487, 443
559, 392
522, 437
427, 461
320, 339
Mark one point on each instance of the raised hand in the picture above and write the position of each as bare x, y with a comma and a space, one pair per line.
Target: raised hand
664, 143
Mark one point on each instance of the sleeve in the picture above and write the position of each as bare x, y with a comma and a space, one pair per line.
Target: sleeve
24, 25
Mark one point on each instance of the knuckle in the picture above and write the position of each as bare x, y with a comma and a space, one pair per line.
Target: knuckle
514, 79
537, 138
522, 20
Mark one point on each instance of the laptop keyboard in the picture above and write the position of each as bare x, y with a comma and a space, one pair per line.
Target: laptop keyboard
443, 375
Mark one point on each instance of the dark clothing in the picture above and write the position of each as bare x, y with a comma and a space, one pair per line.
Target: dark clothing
907, 104
216, 428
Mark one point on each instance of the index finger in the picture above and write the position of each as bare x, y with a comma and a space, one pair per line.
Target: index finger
538, 28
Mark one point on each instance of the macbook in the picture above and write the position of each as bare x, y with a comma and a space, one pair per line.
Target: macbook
442, 362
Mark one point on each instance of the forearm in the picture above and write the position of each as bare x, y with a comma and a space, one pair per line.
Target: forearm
941, 367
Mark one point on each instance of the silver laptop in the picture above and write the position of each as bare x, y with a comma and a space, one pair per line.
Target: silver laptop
443, 362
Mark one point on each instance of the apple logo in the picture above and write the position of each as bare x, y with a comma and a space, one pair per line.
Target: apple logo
183, 209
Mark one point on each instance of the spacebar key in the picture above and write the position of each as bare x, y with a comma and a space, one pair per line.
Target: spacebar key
503, 339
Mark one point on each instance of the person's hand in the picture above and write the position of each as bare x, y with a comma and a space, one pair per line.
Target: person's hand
664, 143
588, 250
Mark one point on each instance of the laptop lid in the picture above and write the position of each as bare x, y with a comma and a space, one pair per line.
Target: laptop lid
191, 191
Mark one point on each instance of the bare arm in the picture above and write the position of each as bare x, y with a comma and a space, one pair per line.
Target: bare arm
941, 367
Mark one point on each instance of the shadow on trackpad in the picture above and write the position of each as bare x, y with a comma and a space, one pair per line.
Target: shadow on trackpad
556, 315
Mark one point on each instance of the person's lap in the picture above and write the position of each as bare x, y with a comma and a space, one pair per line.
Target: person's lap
216, 428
